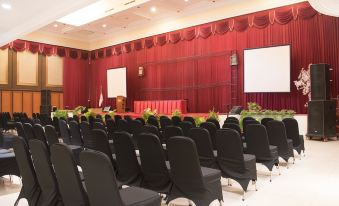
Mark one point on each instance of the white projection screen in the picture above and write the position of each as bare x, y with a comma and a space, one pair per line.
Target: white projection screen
267, 69
116, 82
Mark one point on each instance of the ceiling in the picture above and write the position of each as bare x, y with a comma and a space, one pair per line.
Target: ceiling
27, 16
123, 21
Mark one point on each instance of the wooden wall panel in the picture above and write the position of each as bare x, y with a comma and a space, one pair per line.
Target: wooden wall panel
55, 99
17, 101
61, 100
6, 101
27, 99
36, 102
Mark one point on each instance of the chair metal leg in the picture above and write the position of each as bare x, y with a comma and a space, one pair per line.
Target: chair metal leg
229, 182
220, 202
190, 202
270, 176
243, 195
255, 184
278, 168
293, 160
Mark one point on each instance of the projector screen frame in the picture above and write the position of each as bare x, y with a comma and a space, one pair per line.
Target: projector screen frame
263, 47
119, 67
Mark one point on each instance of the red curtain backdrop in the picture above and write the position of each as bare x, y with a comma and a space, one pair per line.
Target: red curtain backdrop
171, 72
76, 82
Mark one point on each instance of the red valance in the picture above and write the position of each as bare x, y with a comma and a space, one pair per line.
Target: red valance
241, 24
283, 16
174, 37
222, 27
161, 40
117, 50
262, 21
149, 43
138, 45
127, 48
306, 12
189, 34
108, 52
205, 32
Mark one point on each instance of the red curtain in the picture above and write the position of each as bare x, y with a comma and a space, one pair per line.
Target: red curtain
76, 82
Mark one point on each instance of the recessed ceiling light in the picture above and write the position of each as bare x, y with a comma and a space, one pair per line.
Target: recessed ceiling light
55, 25
186, 0
6, 6
153, 9
104, 26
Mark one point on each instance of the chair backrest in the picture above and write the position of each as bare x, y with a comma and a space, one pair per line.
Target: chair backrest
67, 174
141, 120
76, 118
100, 143
212, 129
39, 133
292, 130
233, 126
277, 134
28, 128
153, 121
247, 118
257, 141
91, 120
56, 124
30, 189
155, 173
122, 125
51, 135
265, 120
117, 118
214, 121
232, 120
151, 129
186, 126
128, 169
21, 132
204, 146
111, 128
96, 166
45, 174
230, 150
64, 131
107, 117
75, 133
86, 134
165, 121
128, 118
83, 118
176, 120
172, 131
185, 167
190, 119
246, 123
135, 127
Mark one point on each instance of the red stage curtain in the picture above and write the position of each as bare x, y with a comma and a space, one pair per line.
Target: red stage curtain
221, 27
76, 82
149, 43
138, 45
161, 40
108, 51
261, 21
127, 48
205, 32
117, 50
174, 37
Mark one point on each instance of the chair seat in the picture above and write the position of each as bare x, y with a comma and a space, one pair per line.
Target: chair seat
249, 157
274, 150
209, 174
137, 196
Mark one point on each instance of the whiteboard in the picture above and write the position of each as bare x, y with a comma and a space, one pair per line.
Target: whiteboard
267, 69
116, 82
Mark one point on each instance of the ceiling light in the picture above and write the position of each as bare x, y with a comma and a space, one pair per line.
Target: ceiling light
186, 0
55, 25
153, 9
6, 6
104, 26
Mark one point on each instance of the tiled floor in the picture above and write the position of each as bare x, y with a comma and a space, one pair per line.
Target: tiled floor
312, 181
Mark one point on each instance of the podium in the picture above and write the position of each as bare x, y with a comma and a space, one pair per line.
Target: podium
121, 104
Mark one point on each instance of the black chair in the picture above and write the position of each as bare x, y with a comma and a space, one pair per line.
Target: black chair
56, 125
171, 131
64, 132
246, 123
21, 132
68, 177
176, 120
122, 125
45, 174
189, 119
232, 161
186, 126
30, 189
202, 140
85, 129
292, 132
128, 168
232, 120
265, 120
28, 128
76, 118
97, 167
99, 142
75, 133
83, 118
153, 130
258, 145
99, 125
247, 118
165, 121
277, 136
153, 166
214, 121
111, 128
39, 133
135, 127
128, 118
107, 117
212, 129
117, 118
51, 135
153, 121
199, 184
233, 126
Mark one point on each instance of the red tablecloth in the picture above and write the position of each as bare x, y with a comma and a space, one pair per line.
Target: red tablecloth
162, 106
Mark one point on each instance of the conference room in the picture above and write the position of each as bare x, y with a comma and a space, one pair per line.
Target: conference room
169, 102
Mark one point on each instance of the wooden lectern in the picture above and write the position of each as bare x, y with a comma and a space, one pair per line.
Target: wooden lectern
120, 104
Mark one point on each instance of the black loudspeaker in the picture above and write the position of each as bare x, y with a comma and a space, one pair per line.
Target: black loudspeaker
320, 82
236, 110
45, 109
46, 97
321, 119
